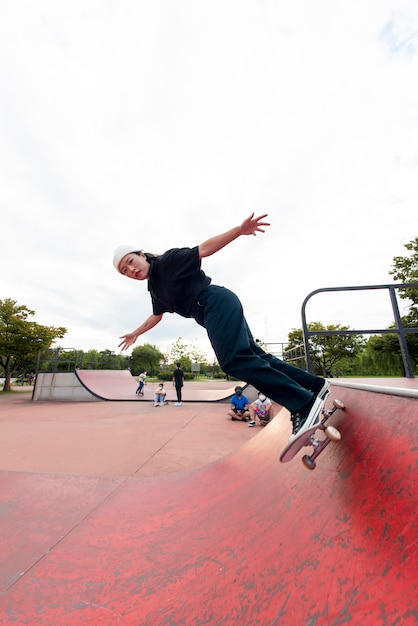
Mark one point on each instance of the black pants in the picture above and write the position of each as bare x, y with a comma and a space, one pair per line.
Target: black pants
220, 311
178, 392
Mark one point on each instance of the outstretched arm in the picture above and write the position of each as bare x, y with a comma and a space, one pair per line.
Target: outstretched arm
249, 226
130, 338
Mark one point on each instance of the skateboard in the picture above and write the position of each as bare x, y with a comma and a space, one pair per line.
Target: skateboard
308, 438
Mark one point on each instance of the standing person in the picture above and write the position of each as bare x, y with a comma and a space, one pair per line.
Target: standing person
141, 383
177, 284
178, 382
238, 407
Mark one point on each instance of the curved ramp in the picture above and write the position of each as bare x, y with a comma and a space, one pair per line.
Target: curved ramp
117, 385
244, 541
108, 384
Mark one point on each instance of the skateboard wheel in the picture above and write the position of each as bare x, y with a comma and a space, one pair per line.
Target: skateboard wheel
308, 462
332, 433
338, 404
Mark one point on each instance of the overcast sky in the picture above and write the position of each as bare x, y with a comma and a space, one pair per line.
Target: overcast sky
163, 123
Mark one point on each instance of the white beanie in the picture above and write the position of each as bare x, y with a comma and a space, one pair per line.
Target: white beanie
120, 252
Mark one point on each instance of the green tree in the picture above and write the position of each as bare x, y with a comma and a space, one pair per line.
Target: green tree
186, 354
382, 354
179, 351
405, 269
108, 360
89, 360
21, 338
146, 357
198, 356
328, 352
381, 357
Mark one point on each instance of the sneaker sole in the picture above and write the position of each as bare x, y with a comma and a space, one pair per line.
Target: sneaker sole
324, 391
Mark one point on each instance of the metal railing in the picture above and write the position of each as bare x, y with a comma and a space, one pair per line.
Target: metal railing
277, 348
398, 329
56, 360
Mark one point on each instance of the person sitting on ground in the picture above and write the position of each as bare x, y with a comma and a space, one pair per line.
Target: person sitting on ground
159, 398
238, 408
261, 408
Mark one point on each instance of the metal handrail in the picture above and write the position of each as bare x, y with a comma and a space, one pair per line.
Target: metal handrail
399, 329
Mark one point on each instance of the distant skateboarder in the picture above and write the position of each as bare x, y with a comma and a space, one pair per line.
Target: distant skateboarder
141, 383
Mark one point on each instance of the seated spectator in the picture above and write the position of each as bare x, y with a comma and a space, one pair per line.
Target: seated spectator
238, 408
261, 408
159, 397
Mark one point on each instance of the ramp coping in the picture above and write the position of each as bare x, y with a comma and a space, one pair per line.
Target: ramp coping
393, 391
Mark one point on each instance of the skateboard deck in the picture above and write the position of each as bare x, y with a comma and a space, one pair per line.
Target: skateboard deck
308, 437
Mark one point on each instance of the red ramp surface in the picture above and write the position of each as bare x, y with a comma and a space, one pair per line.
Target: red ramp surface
109, 384
121, 385
243, 541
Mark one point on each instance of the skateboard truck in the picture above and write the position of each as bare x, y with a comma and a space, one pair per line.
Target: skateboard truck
331, 434
308, 437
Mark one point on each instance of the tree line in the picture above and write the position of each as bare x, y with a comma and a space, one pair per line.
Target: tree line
146, 357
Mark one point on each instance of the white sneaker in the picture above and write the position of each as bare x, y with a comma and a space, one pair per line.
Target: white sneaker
157, 404
178, 403
307, 417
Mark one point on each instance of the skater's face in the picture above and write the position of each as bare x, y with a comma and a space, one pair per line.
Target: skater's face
134, 266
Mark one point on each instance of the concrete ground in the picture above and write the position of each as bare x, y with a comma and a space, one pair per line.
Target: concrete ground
244, 540
116, 438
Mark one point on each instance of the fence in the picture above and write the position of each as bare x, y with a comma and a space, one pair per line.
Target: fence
399, 329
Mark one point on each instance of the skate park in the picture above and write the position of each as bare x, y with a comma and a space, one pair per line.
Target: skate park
118, 512
166, 125
240, 539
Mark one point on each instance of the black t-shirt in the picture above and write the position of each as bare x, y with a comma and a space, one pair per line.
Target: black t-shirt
176, 280
178, 376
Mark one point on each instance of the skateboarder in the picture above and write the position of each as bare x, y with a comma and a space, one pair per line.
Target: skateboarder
177, 284
141, 383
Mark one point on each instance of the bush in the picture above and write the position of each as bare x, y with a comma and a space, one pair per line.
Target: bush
166, 375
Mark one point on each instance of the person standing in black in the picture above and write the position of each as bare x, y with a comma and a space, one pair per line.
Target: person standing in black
178, 381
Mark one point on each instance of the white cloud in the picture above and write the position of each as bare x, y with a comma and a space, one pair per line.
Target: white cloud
164, 123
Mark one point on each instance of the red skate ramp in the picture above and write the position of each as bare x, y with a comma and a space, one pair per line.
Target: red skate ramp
85, 386
244, 541
109, 384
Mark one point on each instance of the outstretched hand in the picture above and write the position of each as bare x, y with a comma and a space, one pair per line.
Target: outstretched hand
252, 225
128, 340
